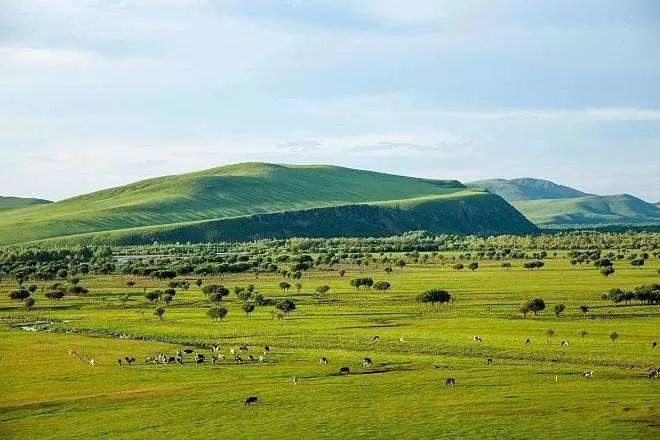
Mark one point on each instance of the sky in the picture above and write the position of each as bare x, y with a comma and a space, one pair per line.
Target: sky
100, 93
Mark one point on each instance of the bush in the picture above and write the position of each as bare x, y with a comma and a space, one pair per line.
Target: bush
434, 296
19, 295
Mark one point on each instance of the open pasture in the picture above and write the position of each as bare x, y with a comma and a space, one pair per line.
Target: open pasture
534, 390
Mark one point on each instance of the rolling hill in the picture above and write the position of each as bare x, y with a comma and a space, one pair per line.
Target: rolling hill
548, 204
7, 203
259, 200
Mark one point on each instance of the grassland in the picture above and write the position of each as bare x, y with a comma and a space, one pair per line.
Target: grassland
194, 202
530, 391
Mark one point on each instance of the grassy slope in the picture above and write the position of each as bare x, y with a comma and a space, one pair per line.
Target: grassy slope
527, 189
517, 397
615, 209
219, 193
465, 211
7, 203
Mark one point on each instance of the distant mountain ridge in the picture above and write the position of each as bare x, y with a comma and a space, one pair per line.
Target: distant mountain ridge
527, 188
261, 200
548, 204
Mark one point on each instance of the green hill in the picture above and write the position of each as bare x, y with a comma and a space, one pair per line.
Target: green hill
527, 189
591, 210
229, 197
548, 204
7, 203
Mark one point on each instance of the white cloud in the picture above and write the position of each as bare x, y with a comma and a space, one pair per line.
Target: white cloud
604, 114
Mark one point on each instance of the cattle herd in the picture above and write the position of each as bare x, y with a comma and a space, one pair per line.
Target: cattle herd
199, 358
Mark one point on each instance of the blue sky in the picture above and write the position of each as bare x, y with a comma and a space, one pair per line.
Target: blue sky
99, 93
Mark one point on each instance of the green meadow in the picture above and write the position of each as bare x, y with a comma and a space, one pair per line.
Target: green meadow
534, 391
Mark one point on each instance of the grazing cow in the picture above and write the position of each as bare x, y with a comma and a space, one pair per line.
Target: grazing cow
243, 348
238, 359
250, 358
214, 359
179, 353
450, 382
294, 379
73, 352
119, 362
527, 342
489, 361
366, 362
262, 359
179, 360
188, 351
477, 339
162, 359
199, 358
375, 339
266, 348
171, 359
323, 361
402, 339
252, 400
215, 348
588, 373
654, 373
149, 360
92, 362
564, 343
654, 344
232, 352
344, 370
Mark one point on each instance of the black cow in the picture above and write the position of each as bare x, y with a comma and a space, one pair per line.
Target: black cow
344, 370
243, 348
188, 351
199, 359
450, 382
119, 362
654, 344
489, 361
266, 348
252, 400
366, 362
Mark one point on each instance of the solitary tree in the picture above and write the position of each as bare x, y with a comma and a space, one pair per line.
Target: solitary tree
473, 266
559, 309
583, 333
506, 265
382, 286
248, 308
434, 296
19, 295
159, 312
298, 287
29, 303
168, 298
285, 286
536, 305
613, 337
323, 289
607, 271
285, 306
130, 283
217, 313
153, 296
458, 266
388, 269
549, 333
584, 309
525, 309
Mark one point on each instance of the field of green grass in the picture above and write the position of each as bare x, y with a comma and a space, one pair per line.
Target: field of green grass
221, 199
534, 391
